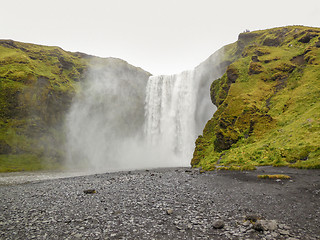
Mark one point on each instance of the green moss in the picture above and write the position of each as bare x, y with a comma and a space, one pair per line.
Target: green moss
270, 114
26, 162
276, 176
37, 84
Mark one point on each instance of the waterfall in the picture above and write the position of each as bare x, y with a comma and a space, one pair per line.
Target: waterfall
123, 119
170, 114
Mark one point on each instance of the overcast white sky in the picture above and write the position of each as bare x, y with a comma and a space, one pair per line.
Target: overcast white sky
160, 36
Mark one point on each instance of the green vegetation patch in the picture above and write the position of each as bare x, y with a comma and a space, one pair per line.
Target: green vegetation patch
268, 104
25, 162
274, 176
37, 84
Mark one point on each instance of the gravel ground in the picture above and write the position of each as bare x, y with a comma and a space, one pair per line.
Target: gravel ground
175, 203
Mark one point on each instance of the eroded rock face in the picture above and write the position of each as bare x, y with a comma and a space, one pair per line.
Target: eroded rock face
307, 38
255, 68
267, 82
272, 42
318, 43
38, 85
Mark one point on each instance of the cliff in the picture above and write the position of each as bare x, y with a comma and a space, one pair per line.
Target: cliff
37, 87
268, 103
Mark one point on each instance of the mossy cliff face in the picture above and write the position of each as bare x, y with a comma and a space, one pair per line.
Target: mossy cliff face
37, 85
268, 103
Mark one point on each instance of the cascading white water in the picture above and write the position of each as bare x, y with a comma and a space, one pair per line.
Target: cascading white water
170, 110
123, 121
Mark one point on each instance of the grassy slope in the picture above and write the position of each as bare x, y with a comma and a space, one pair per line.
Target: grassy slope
37, 84
268, 103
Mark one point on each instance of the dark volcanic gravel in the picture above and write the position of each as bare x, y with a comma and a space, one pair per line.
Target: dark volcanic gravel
178, 203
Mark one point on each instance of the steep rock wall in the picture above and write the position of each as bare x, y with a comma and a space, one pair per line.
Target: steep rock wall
268, 103
37, 87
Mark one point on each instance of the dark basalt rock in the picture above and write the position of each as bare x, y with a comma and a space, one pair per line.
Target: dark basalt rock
271, 42
89, 191
307, 38
258, 227
260, 52
299, 60
232, 74
224, 141
255, 59
255, 68
252, 217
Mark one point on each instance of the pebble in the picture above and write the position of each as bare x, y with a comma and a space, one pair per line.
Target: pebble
89, 191
140, 205
284, 232
218, 224
169, 211
78, 235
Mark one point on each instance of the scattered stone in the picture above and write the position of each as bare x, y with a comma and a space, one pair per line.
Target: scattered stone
169, 211
246, 223
286, 227
179, 227
252, 218
268, 225
133, 204
284, 232
78, 235
218, 224
258, 227
89, 191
